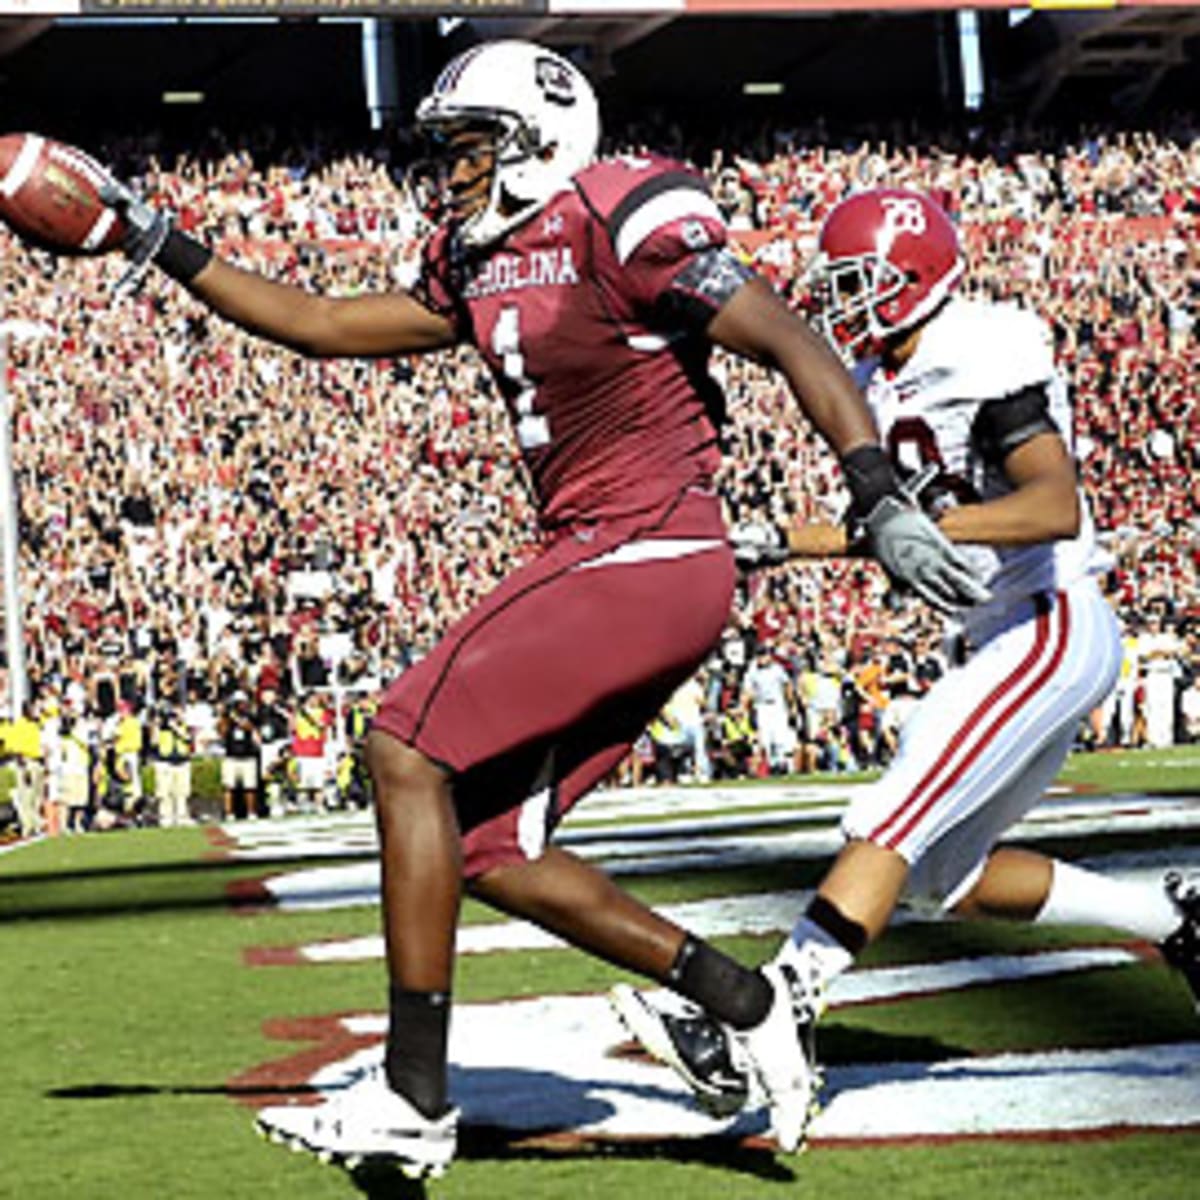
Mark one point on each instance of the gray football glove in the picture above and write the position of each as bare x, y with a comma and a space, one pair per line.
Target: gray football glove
146, 227
915, 552
758, 544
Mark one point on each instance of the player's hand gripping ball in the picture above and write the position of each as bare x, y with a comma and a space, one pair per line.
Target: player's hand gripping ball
50, 196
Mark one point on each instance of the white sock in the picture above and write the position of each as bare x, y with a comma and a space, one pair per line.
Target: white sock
816, 956
1079, 897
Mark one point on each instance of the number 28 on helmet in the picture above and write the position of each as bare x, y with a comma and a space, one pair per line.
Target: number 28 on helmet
508, 124
886, 260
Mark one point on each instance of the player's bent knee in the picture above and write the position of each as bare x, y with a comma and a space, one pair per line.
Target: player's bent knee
396, 767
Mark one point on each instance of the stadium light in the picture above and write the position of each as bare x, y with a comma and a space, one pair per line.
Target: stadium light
762, 89
183, 97
972, 60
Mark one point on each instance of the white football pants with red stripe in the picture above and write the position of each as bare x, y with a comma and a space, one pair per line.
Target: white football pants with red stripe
979, 751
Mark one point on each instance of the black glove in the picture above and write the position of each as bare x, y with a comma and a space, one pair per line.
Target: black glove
908, 544
758, 544
151, 237
146, 229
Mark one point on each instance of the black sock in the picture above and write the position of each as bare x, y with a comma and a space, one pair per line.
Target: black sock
847, 933
415, 1060
721, 986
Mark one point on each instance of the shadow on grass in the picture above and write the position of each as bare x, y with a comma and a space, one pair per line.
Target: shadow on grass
117, 871
142, 888
124, 1091
747, 1154
843, 1045
484, 1144
386, 1183
117, 890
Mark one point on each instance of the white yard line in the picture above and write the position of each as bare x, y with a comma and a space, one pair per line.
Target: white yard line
354, 884
547, 1064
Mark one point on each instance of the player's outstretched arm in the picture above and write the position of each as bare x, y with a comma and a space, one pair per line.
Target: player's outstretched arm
320, 326
819, 539
760, 544
361, 326
756, 323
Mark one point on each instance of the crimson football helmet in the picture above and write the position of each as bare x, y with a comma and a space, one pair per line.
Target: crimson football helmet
886, 259
540, 114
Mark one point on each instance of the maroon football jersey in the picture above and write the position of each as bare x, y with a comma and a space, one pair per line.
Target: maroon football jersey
613, 408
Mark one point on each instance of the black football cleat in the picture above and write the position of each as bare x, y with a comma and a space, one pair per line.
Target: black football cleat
1182, 948
696, 1046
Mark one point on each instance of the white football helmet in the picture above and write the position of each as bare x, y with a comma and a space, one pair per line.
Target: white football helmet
545, 120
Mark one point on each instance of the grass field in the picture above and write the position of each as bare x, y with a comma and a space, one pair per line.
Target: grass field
138, 1028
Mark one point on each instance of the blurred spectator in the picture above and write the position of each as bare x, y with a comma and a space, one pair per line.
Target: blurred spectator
173, 766
734, 748
669, 748
240, 760
686, 709
901, 686
353, 778
75, 765
1189, 708
128, 743
23, 746
310, 750
768, 687
51, 723
273, 729
1158, 658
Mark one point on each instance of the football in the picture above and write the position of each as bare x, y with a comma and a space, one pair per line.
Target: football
49, 196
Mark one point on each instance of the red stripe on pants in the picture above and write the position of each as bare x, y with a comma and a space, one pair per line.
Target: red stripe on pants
919, 803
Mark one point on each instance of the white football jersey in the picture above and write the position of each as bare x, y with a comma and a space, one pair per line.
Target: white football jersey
968, 354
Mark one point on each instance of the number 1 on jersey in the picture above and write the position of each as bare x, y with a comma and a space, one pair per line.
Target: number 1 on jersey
533, 429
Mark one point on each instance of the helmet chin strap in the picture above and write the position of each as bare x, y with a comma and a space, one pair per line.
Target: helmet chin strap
504, 210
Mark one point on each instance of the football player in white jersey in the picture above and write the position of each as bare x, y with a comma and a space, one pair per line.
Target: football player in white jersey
973, 412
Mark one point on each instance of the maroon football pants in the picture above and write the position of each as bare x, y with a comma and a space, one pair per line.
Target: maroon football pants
539, 692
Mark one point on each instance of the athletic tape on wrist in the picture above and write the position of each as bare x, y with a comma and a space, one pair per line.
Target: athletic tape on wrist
869, 476
182, 257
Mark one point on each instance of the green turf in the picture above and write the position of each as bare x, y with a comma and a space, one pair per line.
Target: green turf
129, 1008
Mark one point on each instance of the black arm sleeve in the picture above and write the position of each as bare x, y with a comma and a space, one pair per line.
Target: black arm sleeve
1003, 424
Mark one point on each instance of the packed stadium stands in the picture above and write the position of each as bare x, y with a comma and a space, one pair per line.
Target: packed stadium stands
203, 513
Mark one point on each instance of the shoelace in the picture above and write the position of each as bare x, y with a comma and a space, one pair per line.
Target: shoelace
807, 999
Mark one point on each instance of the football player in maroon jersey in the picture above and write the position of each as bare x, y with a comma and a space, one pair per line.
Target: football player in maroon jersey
594, 290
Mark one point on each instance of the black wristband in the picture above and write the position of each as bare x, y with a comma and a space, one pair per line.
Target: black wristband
869, 476
182, 257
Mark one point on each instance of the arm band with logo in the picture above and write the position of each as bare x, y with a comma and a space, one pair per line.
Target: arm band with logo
707, 282
182, 257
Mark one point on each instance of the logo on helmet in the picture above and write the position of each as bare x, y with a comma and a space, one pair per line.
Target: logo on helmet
556, 81
903, 214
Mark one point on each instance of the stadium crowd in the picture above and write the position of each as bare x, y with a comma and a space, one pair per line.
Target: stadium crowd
218, 535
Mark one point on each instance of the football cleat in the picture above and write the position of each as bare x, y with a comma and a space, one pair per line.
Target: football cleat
1182, 948
366, 1124
780, 1055
773, 1064
697, 1047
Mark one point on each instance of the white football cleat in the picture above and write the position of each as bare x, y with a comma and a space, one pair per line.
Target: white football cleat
366, 1122
780, 1055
